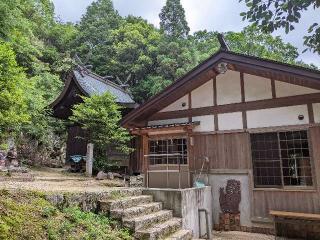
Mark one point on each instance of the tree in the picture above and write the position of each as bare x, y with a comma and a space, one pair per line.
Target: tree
175, 58
13, 109
149, 87
204, 43
253, 42
173, 20
99, 116
134, 50
271, 15
250, 41
42, 47
94, 40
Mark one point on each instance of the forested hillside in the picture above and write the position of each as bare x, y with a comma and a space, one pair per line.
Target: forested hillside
37, 50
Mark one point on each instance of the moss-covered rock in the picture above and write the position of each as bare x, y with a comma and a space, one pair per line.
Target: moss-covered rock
29, 215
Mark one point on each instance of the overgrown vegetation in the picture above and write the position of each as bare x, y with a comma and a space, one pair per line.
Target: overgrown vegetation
26, 215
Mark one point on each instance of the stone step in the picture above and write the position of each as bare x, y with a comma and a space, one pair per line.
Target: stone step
146, 221
141, 209
124, 203
181, 235
129, 191
160, 230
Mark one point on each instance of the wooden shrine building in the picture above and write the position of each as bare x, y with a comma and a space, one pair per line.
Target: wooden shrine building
83, 82
235, 117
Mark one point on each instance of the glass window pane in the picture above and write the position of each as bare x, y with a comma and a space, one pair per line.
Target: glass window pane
171, 151
295, 158
266, 159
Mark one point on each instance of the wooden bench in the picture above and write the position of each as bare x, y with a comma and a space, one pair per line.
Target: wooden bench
307, 225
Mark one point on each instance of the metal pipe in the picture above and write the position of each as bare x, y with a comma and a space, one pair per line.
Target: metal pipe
207, 234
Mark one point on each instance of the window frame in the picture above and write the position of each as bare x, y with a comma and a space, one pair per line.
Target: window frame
282, 186
168, 138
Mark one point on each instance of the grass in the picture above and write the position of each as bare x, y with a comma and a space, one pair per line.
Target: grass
28, 215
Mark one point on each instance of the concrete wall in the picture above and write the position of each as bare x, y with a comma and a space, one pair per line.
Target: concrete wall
216, 181
219, 180
185, 204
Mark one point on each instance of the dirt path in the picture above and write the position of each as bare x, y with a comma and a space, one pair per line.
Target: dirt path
49, 179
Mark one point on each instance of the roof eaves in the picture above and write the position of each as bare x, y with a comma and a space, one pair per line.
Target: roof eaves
221, 55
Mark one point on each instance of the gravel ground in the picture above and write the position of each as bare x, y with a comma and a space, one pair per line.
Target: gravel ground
48, 179
234, 235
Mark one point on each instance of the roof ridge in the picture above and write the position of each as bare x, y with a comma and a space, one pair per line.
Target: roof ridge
102, 79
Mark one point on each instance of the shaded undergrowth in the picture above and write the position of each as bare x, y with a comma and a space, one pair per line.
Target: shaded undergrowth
28, 215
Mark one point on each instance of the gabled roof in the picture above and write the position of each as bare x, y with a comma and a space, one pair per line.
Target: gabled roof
207, 70
90, 84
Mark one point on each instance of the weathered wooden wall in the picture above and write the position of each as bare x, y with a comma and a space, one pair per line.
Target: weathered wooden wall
76, 145
295, 201
225, 151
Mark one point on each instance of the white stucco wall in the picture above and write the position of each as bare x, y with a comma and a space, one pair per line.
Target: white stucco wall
228, 88
256, 88
230, 121
206, 123
177, 105
203, 95
284, 89
167, 121
316, 112
277, 116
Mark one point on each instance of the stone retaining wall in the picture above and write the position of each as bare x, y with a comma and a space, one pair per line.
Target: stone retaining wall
88, 201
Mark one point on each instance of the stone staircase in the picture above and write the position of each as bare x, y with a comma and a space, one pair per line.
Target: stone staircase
146, 218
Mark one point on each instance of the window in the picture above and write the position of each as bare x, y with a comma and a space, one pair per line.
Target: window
281, 159
168, 151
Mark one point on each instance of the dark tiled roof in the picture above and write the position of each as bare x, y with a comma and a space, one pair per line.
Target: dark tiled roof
93, 84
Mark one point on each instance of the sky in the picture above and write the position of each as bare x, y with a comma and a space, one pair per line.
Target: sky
218, 15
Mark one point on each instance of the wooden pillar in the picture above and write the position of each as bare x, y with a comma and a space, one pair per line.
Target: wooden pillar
191, 159
89, 160
145, 160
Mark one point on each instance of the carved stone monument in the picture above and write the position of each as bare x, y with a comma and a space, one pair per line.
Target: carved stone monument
229, 199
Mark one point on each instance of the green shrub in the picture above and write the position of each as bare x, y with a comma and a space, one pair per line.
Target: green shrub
28, 215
